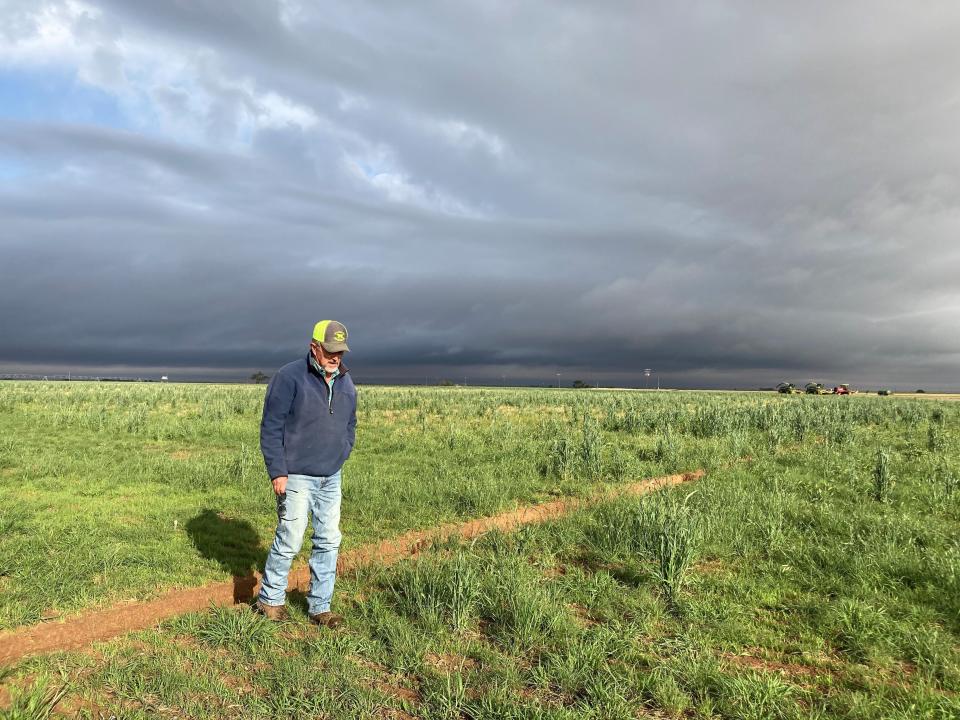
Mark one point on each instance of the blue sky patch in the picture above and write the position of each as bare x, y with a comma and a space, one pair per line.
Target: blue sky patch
57, 97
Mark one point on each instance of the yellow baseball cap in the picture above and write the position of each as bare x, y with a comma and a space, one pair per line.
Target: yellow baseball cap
332, 335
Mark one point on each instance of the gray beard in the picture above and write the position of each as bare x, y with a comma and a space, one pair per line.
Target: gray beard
316, 366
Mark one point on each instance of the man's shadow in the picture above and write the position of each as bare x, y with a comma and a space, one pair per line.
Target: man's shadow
232, 543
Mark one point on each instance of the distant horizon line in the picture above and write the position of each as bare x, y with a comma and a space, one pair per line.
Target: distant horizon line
445, 382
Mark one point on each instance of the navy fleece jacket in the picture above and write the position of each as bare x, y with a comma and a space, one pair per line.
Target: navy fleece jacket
305, 430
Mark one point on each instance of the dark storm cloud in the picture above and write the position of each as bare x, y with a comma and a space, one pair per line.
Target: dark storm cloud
731, 194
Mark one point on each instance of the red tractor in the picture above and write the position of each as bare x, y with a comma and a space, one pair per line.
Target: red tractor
841, 390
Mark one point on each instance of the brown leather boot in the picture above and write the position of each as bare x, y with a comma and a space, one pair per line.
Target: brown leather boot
327, 619
277, 613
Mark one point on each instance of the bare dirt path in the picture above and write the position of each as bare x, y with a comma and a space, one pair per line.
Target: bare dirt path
97, 625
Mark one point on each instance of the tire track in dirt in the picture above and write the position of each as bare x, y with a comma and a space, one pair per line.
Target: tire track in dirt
98, 625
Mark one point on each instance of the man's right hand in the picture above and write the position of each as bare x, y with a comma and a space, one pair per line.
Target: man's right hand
280, 484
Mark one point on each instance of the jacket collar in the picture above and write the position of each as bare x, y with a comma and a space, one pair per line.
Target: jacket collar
315, 368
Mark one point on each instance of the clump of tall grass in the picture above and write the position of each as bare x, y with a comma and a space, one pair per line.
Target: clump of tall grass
947, 481
246, 464
591, 447
454, 438
738, 443
446, 592
561, 456
477, 494
618, 465
930, 650
771, 527
422, 419
519, 607
446, 695
882, 476
758, 696
663, 528
910, 414
859, 629
7, 402
712, 420
936, 437
666, 693
7, 449
577, 663
672, 535
841, 433
801, 425
776, 435
34, 703
134, 420
8, 523
571, 453
667, 450
235, 628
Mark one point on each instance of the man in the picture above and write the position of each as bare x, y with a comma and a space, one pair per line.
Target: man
307, 432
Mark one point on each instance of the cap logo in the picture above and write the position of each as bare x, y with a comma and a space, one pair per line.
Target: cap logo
339, 336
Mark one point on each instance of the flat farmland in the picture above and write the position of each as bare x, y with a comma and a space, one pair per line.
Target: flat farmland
813, 570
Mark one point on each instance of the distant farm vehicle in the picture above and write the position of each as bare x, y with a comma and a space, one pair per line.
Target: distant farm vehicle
813, 388
843, 390
885, 391
787, 388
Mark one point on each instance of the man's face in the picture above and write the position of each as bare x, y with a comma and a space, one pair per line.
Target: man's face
327, 360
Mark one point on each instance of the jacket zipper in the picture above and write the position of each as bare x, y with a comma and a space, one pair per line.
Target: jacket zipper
333, 390
329, 390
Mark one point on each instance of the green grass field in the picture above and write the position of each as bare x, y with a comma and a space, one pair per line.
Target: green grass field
814, 572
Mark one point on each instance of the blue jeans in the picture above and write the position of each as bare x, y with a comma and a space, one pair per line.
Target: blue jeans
319, 499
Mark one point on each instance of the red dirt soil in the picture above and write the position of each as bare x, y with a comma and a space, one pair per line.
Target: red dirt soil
98, 625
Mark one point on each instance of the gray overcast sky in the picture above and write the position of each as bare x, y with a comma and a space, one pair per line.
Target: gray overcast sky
730, 193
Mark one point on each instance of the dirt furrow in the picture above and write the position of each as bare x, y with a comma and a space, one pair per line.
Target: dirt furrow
98, 625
